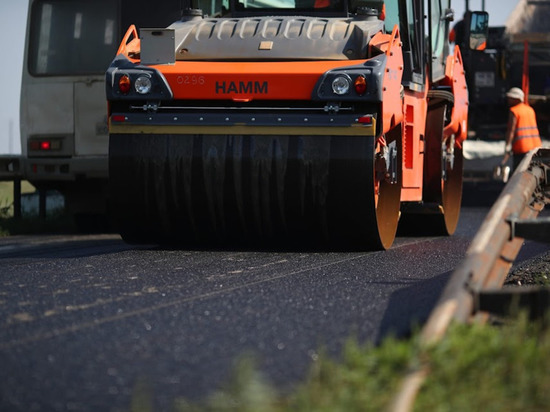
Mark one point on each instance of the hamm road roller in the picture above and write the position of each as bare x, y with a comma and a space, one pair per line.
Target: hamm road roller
289, 122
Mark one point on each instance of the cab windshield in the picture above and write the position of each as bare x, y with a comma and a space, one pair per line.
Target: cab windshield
256, 7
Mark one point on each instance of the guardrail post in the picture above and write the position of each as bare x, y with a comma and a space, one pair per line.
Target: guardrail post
531, 229
17, 198
42, 203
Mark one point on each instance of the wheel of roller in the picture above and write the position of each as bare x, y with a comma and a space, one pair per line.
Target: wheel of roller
365, 191
442, 190
451, 187
443, 175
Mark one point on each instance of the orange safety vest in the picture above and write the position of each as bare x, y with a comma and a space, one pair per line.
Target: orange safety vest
527, 135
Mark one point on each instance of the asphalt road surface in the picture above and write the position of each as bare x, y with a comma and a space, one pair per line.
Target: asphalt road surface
88, 322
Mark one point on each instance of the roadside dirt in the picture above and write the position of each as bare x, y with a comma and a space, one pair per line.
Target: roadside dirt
534, 272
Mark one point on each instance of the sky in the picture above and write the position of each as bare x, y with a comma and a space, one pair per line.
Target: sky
13, 15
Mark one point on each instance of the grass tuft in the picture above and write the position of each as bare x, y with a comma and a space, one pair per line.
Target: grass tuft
246, 391
475, 368
489, 368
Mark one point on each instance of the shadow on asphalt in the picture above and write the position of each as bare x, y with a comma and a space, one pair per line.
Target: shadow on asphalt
409, 308
481, 194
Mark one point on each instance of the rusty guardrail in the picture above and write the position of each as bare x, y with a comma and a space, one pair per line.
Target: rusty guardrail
475, 286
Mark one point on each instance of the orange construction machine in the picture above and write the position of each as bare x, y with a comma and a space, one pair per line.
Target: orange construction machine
288, 121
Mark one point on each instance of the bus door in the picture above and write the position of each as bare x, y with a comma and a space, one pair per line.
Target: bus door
90, 114
96, 37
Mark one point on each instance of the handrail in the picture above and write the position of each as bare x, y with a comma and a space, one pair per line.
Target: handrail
131, 31
487, 262
394, 40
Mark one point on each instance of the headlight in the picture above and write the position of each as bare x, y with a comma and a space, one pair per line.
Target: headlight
341, 84
143, 85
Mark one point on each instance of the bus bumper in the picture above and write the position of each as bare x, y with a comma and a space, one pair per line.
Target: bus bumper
66, 169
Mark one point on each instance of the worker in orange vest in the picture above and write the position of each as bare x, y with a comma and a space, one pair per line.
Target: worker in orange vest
522, 133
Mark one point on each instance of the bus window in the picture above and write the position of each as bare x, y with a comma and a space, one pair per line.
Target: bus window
141, 14
72, 37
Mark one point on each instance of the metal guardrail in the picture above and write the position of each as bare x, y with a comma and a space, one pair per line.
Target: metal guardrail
476, 285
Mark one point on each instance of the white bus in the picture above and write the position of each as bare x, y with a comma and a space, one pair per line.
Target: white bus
64, 135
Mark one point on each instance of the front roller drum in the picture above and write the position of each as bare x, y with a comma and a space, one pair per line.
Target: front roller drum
304, 191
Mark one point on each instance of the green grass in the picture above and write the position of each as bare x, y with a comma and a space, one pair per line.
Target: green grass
484, 368
56, 223
6, 196
475, 368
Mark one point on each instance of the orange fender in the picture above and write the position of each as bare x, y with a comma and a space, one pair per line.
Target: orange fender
392, 102
455, 77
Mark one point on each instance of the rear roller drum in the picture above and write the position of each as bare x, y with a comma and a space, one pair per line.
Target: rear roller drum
451, 186
442, 190
442, 175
